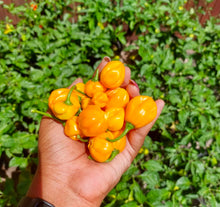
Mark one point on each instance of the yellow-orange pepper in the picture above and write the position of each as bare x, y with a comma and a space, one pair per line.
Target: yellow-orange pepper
100, 99
63, 103
85, 102
71, 128
93, 86
99, 148
118, 97
92, 121
140, 111
80, 90
121, 143
143, 108
113, 74
115, 118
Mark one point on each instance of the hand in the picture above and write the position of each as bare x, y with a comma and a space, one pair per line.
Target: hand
66, 177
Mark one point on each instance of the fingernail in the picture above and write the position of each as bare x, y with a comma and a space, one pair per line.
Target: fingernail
133, 83
104, 61
133, 89
107, 59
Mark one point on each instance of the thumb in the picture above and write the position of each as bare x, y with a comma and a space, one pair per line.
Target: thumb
136, 137
78, 80
134, 142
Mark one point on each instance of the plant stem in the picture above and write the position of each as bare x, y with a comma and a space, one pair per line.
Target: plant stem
81, 92
114, 153
81, 139
68, 102
48, 115
96, 77
128, 127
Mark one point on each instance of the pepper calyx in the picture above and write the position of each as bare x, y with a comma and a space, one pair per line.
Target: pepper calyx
128, 127
96, 77
68, 102
114, 153
81, 139
48, 115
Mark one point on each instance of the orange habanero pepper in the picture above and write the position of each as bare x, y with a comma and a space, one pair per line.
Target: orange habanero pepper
118, 97
140, 111
100, 149
93, 86
100, 99
63, 103
113, 74
121, 143
115, 118
92, 121
71, 129
85, 102
80, 90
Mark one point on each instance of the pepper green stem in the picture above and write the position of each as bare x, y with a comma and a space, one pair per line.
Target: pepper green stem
90, 157
128, 127
48, 115
114, 153
78, 112
81, 139
81, 92
68, 102
96, 77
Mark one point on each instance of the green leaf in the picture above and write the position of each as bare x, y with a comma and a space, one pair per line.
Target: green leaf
138, 193
130, 204
132, 171
158, 195
153, 165
18, 162
121, 186
122, 38
183, 183
36, 74
183, 116
151, 178
123, 194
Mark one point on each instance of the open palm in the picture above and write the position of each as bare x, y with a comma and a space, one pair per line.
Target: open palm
65, 175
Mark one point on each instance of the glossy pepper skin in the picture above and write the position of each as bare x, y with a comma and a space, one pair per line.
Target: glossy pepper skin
63, 103
85, 102
140, 111
115, 118
80, 90
92, 121
100, 99
113, 74
99, 148
143, 108
71, 128
93, 86
121, 143
117, 97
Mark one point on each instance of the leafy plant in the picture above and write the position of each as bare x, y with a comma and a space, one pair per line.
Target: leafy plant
172, 57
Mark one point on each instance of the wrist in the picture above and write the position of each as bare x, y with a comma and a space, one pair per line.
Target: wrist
55, 191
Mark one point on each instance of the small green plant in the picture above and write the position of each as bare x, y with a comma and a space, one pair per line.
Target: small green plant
171, 57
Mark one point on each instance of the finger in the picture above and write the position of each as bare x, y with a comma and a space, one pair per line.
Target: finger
127, 77
134, 142
136, 137
133, 89
78, 80
103, 63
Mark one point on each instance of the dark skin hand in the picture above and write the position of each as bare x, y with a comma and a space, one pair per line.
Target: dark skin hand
66, 177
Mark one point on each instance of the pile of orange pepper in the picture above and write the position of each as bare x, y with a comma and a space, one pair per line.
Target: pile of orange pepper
101, 113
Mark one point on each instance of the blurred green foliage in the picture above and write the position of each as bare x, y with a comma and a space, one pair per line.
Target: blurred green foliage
173, 57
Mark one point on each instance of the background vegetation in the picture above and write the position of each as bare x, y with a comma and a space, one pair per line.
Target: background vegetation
171, 57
